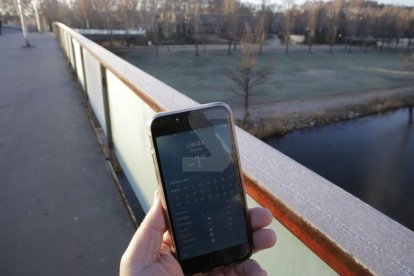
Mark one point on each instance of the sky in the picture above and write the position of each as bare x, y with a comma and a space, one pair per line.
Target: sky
394, 2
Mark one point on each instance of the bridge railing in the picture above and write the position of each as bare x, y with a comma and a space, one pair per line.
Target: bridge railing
322, 229
110, 32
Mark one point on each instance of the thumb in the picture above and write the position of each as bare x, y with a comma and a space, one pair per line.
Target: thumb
249, 267
146, 242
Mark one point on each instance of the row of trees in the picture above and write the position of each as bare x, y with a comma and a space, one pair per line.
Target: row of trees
350, 22
337, 21
353, 22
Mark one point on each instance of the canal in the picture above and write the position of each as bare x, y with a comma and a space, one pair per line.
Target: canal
371, 158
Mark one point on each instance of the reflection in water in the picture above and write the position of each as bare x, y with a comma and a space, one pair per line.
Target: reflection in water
371, 157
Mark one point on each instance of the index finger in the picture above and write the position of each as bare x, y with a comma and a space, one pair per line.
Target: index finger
259, 217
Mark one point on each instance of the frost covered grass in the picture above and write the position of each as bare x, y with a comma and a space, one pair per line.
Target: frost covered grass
295, 75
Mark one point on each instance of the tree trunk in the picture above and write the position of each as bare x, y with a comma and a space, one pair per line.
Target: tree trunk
287, 44
333, 40
196, 49
331, 47
310, 48
246, 106
229, 48
109, 26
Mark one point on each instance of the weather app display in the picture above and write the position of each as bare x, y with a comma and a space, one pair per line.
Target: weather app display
202, 189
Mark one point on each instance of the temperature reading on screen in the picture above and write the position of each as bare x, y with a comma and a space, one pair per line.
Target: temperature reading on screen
199, 159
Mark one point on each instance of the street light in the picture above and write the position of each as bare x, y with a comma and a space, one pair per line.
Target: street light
35, 4
23, 22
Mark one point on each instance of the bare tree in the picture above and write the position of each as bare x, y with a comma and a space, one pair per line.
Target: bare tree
105, 7
50, 10
400, 19
313, 9
333, 16
172, 10
404, 25
365, 24
126, 9
151, 15
9, 8
83, 9
410, 30
260, 28
351, 15
288, 22
246, 77
196, 23
380, 26
389, 14
230, 11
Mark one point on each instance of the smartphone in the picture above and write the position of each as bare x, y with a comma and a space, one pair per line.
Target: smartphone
203, 196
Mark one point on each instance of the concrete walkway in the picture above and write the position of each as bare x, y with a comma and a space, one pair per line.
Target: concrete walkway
60, 210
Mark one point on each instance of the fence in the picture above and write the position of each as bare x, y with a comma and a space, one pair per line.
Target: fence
322, 230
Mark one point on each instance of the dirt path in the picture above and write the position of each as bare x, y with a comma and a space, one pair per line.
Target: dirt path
281, 117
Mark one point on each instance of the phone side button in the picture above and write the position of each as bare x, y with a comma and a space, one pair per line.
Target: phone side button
156, 169
216, 260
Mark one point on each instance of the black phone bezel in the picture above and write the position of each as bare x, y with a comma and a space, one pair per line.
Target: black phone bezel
177, 122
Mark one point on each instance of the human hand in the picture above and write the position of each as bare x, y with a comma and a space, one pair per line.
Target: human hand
149, 252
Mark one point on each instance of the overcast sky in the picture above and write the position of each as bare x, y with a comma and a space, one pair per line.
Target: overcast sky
279, 2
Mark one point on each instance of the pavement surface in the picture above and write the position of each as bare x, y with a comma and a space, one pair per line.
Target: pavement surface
61, 213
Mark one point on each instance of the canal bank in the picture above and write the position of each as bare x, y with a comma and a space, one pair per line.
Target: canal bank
279, 118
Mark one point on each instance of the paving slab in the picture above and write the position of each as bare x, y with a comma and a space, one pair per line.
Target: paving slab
61, 213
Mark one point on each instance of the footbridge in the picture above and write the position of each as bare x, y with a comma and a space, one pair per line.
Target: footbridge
109, 34
77, 173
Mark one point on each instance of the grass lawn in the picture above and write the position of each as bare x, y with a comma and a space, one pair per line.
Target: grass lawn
295, 75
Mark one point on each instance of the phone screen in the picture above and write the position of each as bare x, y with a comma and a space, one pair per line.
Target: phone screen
201, 181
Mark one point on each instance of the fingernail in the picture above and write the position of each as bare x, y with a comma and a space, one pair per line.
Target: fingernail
156, 194
261, 272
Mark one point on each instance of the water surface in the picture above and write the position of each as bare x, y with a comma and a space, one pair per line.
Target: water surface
371, 158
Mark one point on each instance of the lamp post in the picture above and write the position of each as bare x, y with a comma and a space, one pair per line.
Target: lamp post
23, 22
39, 29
